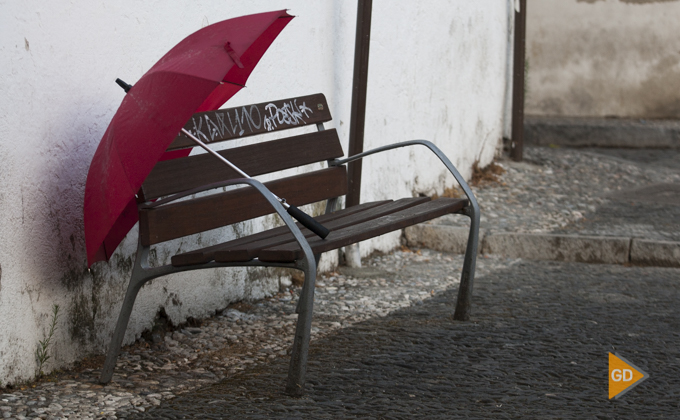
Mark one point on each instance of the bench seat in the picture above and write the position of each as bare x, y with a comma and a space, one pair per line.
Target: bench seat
347, 226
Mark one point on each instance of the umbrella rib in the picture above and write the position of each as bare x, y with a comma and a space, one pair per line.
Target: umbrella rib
298, 214
223, 159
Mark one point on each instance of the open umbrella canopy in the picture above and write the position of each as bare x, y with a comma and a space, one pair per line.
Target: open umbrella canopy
199, 74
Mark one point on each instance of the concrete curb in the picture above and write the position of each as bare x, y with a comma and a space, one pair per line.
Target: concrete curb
552, 247
587, 249
602, 132
440, 237
656, 253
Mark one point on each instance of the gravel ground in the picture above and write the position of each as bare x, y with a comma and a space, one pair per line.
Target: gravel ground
243, 336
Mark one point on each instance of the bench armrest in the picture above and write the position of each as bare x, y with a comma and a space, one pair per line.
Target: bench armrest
445, 160
268, 195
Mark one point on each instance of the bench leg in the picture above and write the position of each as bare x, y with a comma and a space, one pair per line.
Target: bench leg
136, 283
298, 360
464, 304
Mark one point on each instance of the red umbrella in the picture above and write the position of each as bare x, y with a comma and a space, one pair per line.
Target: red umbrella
199, 74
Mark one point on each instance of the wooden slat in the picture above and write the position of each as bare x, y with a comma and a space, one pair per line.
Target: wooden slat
249, 251
207, 254
193, 216
249, 120
366, 230
176, 175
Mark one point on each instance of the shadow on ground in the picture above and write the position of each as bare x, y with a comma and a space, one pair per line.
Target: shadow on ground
537, 347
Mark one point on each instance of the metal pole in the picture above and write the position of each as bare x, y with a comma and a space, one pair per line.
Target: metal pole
517, 143
359, 88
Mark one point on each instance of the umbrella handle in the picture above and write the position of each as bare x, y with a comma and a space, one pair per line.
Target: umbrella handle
308, 222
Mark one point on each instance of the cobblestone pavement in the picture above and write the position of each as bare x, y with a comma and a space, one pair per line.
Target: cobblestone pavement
537, 347
650, 210
668, 158
604, 192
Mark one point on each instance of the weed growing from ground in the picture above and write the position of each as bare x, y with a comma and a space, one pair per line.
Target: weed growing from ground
41, 355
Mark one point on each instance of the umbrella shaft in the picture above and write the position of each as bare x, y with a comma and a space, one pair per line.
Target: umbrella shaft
225, 161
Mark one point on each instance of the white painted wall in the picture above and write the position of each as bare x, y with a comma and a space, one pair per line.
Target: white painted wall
437, 71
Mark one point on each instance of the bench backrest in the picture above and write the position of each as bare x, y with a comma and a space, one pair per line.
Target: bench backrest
220, 209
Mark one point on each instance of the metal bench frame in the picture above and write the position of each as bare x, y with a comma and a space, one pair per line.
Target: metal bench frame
142, 272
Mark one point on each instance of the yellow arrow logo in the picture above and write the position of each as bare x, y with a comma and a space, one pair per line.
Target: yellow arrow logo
623, 376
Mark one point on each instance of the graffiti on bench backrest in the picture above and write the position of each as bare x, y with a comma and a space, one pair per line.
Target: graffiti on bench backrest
290, 113
232, 123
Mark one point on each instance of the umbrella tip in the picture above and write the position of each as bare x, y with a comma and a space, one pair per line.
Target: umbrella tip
124, 85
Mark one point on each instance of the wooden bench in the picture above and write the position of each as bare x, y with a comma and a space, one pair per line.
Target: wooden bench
169, 208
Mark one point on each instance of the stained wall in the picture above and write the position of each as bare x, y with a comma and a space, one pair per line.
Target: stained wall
601, 58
